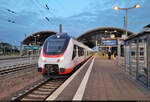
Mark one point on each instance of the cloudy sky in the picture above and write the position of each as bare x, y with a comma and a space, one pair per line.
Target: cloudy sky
76, 16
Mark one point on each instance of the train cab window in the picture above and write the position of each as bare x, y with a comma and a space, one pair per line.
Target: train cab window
74, 51
55, 46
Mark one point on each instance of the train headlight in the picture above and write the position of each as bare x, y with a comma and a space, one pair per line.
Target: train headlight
60, 59
42, 59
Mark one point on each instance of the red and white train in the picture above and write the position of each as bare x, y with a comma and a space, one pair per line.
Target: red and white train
60, 54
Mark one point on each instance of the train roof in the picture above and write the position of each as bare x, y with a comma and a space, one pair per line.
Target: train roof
66, 36
59, 35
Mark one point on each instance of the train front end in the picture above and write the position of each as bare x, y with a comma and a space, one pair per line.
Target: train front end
53, 58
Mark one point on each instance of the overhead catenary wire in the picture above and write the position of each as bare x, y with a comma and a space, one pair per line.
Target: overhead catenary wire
59, 4
37, 2
47, 8
9, 11
38, 9
11, 21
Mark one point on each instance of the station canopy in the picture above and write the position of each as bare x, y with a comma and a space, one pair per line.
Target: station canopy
87, 38
90, 37
37, 38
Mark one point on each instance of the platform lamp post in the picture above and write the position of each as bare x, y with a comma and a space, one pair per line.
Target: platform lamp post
14, 47
126, 23
126, 9
96, 44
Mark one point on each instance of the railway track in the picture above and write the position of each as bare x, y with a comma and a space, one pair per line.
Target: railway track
17, 57
17, 72
40, 91
11, 71
15, 69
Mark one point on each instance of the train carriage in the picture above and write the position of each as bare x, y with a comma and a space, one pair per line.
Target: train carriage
60, 54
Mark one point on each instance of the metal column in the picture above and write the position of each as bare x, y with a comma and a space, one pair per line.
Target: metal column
130, 70
21, 49
137, 59
148, 59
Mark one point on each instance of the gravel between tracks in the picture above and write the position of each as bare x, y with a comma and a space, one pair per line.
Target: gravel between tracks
11, 86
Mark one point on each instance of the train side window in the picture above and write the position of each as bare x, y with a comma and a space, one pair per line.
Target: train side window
83, 52
80, 51
74, 51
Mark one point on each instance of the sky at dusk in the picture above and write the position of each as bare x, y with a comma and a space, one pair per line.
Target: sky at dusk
76, 16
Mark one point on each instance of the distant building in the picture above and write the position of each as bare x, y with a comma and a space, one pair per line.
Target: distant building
147, 28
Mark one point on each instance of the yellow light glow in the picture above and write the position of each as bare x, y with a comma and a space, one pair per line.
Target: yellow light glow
112, 36
137, 6
116, 8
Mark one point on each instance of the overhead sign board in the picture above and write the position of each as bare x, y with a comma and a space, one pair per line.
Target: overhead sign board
31, 47
27, 47
109, 42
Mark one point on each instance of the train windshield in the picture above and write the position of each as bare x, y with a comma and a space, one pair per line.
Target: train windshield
55, 46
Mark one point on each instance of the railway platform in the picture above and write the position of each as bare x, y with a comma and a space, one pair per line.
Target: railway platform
100, 79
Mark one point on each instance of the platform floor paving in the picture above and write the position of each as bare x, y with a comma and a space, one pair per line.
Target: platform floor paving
106, 81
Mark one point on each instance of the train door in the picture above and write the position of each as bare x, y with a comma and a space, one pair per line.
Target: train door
85, 54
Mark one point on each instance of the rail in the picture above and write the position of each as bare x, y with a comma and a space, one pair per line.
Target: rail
7, 72
16, 57
39, 91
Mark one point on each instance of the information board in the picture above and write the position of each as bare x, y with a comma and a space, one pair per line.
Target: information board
31, 47
27, 47
109, 42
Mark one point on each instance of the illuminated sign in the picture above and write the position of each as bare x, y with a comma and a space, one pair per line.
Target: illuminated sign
109, 42
27, 47
31, 47
35, 47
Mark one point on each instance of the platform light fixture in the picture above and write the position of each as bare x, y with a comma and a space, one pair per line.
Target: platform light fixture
137, 6
112, 36
115, 31
126, 9
116, 7
106, 31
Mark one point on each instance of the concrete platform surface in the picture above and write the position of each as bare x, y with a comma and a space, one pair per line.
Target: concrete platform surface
101, 79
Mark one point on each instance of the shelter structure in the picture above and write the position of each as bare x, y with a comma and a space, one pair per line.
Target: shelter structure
137, 55
32, 43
